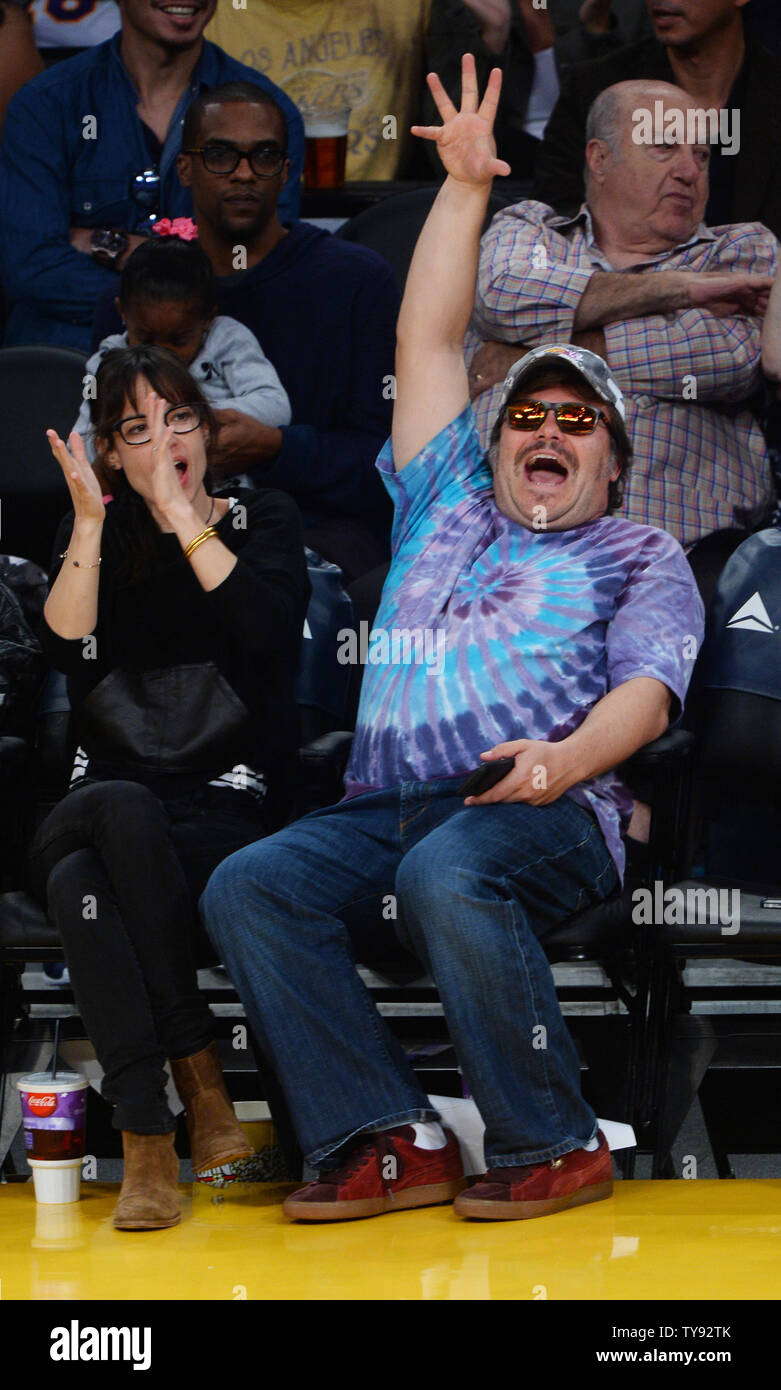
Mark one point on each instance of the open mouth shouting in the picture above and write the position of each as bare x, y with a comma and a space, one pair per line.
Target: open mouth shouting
183, 470
545, 469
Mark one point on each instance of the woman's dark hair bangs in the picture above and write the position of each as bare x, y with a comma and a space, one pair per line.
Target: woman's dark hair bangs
117, 377
116, 382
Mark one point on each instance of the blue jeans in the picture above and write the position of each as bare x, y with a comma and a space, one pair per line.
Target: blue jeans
476, 890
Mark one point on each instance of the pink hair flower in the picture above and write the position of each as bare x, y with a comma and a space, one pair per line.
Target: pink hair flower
183, 227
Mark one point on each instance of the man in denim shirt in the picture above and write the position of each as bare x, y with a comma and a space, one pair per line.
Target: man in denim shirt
89, 154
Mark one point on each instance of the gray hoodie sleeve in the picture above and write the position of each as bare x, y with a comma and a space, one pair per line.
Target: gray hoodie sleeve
236, 374
83, 425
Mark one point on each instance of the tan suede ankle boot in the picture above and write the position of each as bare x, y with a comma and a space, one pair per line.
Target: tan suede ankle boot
216, 1136
149, 1196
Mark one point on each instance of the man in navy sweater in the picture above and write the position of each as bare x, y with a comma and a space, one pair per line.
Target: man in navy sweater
324, 311
89, 151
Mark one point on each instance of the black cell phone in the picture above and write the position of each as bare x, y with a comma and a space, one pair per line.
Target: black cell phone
486, 776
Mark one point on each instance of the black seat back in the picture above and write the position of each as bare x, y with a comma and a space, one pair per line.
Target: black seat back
323, 680
40, 389
739, 716
741, 669
393, 225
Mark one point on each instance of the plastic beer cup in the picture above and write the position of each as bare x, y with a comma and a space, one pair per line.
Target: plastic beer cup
326, 146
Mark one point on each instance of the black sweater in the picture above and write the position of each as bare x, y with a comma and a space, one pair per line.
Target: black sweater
242, 640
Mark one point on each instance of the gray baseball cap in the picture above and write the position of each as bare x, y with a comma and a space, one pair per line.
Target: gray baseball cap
589, 365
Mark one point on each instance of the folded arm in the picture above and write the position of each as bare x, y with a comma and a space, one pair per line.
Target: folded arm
657, 355
528, 290
705, 324
651, 324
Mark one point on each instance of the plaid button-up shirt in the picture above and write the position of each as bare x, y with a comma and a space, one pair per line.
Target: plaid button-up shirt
700, 461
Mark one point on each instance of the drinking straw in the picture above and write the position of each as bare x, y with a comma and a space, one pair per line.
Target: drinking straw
57, 1023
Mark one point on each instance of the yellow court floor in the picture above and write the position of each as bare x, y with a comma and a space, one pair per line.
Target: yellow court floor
651, 1240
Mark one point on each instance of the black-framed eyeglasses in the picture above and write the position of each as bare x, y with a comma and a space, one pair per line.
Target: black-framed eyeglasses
134, 429
265, 161
572, 417
145, 191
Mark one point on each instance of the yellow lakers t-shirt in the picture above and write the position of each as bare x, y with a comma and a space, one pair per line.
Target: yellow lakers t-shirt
365, 54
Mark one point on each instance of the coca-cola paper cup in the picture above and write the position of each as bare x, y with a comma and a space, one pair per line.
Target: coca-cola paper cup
53, 1113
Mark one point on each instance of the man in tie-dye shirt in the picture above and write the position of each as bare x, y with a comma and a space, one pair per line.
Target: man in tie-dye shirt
519, 619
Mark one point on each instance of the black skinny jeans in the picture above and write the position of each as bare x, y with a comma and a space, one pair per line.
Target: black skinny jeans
121, 872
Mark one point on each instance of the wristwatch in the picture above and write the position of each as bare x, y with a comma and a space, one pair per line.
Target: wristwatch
106, 246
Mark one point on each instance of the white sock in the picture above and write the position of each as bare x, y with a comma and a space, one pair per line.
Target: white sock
592, 1144
430, 1136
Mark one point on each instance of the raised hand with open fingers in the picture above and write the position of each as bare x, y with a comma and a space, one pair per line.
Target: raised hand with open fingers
167, 489
83, 485
465, 140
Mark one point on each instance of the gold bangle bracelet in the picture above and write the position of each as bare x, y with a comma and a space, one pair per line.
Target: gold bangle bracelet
206, 535
80, 563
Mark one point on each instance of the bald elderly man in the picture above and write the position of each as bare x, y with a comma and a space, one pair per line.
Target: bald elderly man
675, 308
713, 49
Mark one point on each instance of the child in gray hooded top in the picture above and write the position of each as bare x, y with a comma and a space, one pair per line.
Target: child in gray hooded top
167, 299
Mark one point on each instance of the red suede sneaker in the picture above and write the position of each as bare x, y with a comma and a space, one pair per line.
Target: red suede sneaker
512, 1194
383, 1172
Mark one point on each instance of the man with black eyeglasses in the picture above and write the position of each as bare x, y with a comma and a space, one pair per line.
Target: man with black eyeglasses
89, 162
325, 311
565, 638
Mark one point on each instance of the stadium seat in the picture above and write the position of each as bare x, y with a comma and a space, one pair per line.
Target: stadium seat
738, 737
322, 685
393, 225
40, 389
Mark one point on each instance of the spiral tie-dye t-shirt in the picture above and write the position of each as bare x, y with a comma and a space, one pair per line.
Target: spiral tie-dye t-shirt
487, 631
